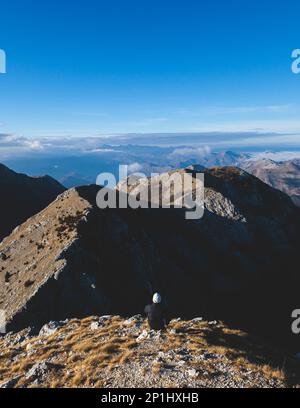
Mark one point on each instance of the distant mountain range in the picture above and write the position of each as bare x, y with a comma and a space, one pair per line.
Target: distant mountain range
23, 196
81, 170
285, 176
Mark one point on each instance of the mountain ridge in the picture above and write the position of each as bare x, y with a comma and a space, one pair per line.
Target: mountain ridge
94, 261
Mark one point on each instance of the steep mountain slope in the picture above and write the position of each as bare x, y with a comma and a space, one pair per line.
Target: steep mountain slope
236, 263
285, 176
23, 196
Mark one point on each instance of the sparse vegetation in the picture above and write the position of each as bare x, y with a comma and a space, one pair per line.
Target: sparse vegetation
28, 283
40, 246
7, 277
187, 353
4, 257
67, 224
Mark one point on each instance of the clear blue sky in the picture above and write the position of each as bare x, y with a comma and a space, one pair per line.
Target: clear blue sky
94, 67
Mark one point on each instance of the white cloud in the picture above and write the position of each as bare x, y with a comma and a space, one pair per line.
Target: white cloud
187, 152
237, 110
191, 145
134, 168
34, 144
13, 145
100, 150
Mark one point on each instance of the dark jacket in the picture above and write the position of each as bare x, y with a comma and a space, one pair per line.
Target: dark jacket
156, 315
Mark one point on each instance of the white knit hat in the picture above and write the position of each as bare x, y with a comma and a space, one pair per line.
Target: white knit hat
156, 298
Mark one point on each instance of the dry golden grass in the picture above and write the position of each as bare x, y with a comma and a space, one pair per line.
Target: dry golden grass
86, 355
88, 349
157, 367
278, 373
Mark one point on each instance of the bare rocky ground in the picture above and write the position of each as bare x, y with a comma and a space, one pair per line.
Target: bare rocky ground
110, 351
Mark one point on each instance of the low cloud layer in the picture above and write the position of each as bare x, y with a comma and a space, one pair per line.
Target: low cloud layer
181, 145
19, 146
191, 153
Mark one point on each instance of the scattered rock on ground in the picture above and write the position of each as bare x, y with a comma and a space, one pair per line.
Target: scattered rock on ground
51, 328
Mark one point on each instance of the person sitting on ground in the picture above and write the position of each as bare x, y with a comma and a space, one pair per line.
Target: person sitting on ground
156, 313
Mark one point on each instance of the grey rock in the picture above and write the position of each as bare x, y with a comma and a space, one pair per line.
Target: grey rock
143, 336
183, 351
51, 328
95, 326
105, 318
151, 334
210, 356
38, 371
175, 320
134, 319
100, 322
192, 373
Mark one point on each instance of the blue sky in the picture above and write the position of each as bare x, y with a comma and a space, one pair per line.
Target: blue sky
88, 68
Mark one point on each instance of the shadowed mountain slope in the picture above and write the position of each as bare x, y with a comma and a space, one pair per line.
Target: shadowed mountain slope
23, 196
